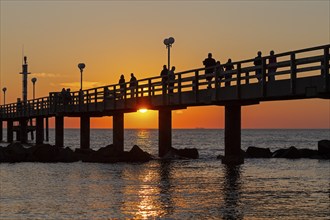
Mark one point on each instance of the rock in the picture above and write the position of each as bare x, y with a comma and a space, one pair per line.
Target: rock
191, 153
279, 153
291, 153
308, 153
83, 154
220, 157
67, 155
173, 153
44, 153
257, 152
15, 152
323, 147
136, 154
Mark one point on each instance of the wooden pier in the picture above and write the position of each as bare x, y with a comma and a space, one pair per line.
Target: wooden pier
300, 74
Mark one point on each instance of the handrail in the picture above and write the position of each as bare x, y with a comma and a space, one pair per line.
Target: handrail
186, 79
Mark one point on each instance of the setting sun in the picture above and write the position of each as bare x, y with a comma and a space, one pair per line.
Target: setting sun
143, 110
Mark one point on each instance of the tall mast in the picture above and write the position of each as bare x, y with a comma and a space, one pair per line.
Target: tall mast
25, 76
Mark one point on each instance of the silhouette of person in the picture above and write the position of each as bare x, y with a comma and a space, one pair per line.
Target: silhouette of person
122, 85
228, 67
258, 62
62, 96
133, 84
171, 78
68, 96
164, 75
219, 70
271, 70
208, 63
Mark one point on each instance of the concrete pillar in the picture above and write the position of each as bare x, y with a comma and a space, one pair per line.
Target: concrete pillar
84, 132
39, 130
233, 135
10, 132
1, 127
23, 130
47, 129
118, 131
164, 131
31, 124
59, 131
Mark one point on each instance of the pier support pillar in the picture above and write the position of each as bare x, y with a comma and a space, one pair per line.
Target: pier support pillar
23, 130
59, 131
47, 129
1, 127
10, 131
39, 130
84, 132
118, 131
164, 131
233, 153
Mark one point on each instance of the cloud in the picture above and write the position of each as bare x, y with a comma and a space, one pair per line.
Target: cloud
47, 75
86, 85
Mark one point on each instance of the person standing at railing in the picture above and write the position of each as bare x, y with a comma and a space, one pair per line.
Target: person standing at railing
219, 71
208, 63
62, 96
164, 75
271, 69
257, 62
171, 78
133, 84
68, 96
228, 67
122, 85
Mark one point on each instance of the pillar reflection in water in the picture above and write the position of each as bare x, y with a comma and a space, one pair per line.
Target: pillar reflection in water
166, 187
232, 193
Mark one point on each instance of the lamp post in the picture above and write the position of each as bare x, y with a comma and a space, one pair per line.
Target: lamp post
81, 66
4, 95
34, 80
168, 42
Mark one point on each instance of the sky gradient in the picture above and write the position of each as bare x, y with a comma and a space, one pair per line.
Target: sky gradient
120, 37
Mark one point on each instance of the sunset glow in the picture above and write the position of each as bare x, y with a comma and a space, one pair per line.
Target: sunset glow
142, 110
112, 43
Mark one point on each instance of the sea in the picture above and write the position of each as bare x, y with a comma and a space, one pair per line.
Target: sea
201, 188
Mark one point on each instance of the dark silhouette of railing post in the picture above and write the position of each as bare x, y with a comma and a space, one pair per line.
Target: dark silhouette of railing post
293, 75
164, 131
326, 69
10, 130
233, 135
179, 88
196, 86
118, 131
84, 132
264, 76
59, 131
39, 130
238, 82
247, 77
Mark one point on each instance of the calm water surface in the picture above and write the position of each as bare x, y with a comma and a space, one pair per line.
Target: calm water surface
181, 189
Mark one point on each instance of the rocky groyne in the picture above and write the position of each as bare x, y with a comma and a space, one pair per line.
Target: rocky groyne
322, 152
46, 153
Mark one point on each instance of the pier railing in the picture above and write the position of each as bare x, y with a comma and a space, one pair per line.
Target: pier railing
290, 66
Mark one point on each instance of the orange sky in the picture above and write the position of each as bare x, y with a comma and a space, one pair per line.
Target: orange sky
115, 37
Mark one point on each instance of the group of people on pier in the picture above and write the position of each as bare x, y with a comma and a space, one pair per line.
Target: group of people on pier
168, 78
65, 96
214, 67
132, 85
